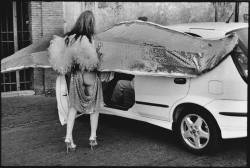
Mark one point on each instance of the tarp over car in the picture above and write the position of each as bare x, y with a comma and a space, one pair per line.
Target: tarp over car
139, 47
34, 55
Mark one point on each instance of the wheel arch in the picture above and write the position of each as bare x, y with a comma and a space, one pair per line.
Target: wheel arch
184, 106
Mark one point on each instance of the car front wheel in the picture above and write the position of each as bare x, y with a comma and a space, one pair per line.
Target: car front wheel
197, 132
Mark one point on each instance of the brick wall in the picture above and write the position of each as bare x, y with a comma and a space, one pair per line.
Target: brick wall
50, 81
35, 19
44, 81
38, 80
46, 19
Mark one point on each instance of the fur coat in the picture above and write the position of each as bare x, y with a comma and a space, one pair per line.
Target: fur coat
81, 51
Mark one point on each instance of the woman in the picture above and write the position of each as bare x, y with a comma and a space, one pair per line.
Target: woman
84, 94
75, 55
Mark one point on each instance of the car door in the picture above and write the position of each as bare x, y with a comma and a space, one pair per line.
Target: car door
155, 95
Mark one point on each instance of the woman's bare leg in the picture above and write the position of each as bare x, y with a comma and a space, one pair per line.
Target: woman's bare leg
94, 116
93, 124
70, 123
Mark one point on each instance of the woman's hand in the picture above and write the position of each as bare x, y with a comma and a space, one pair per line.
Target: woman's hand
99, 54
107, 76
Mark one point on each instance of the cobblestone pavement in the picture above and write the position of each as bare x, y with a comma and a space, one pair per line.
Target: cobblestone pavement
32, 135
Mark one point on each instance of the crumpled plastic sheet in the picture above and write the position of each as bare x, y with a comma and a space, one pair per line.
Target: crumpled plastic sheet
139, 47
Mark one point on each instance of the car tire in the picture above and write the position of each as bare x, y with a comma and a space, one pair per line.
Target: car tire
197, 131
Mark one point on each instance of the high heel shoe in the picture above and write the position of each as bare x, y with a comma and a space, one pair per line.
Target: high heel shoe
93, 143
70, 145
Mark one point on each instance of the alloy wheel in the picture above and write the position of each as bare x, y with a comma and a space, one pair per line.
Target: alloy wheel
195, 131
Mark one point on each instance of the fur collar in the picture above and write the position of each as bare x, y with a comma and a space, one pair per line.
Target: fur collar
81, 51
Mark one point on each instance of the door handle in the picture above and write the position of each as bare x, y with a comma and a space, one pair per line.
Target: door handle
180, 80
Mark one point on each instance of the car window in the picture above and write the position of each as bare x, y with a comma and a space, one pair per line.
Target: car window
241, 60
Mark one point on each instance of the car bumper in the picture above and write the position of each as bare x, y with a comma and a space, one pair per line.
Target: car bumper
231, 116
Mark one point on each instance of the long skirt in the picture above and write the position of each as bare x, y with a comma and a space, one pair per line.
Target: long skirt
77, 97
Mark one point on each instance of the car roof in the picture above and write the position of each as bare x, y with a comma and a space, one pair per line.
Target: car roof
208, 30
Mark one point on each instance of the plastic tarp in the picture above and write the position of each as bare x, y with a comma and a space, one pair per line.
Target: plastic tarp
139, 47
34, 55
242, 34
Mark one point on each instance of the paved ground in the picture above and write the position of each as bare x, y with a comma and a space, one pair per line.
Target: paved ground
32, 135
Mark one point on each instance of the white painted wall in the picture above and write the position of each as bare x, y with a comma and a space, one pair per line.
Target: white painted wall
165, 13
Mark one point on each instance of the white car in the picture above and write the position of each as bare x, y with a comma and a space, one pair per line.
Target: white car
201, 110
222, 92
